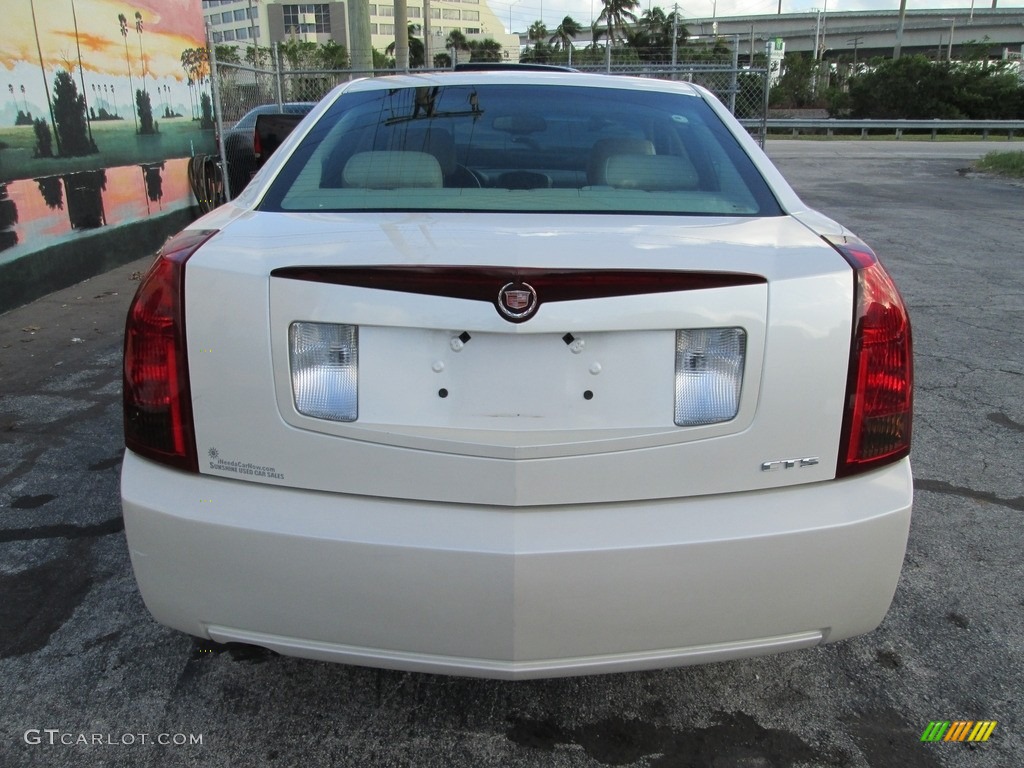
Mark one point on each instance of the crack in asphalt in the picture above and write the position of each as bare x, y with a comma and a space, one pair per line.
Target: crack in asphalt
63, 531
940, 486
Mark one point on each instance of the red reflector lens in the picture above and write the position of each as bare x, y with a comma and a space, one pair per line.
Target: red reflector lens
879, 398
157, 397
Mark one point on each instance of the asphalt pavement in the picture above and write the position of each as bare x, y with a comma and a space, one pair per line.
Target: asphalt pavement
87, 678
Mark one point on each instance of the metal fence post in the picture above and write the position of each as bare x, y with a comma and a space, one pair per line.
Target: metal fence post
275, 60
218, 111
735, 70
767, 92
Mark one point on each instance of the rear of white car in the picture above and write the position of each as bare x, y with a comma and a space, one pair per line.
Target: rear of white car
518, 375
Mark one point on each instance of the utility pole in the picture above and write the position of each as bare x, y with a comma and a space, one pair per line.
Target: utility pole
899, 30
675, 33
428, 60
402, 36
855, 42
817, 36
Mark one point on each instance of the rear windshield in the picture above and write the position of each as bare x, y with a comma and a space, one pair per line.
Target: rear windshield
516, 148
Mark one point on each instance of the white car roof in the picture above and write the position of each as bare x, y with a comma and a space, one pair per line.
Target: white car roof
523, 77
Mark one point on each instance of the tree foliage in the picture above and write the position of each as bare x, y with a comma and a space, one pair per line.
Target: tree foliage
651, 37
44, 141
145, 109
417, 53
206, 107
914, 87
70, 117
196, 63
485, 50
796, 84
564, 33
615, 16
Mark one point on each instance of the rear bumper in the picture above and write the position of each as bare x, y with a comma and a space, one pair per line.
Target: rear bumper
516, 593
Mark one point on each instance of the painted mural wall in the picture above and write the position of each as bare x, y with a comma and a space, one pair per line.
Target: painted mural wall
101, 104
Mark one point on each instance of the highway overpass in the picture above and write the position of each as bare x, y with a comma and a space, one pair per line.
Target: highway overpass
869, 33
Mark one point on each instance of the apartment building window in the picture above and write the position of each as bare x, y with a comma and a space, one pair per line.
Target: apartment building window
450, 13
471, 15
229, 34
435, 13
218, 37
307, 17
472, 30
242, 33
387, 29
386, 10
226, 17
415, 13
240, 14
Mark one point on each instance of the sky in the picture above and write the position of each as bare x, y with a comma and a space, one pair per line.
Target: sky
525, 12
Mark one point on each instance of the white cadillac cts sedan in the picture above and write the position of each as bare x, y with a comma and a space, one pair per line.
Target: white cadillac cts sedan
518, 374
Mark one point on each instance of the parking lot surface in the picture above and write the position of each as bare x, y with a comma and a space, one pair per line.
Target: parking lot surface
88, 679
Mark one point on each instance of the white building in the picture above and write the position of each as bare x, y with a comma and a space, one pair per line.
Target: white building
239, 22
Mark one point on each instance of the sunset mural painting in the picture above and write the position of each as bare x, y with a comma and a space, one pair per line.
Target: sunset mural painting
103, 102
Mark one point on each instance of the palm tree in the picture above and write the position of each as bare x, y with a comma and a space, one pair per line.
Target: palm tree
123, 21
537, 32
485, 50
565, 32
142, 57
455, 42
615, 14
416, 51
652, 35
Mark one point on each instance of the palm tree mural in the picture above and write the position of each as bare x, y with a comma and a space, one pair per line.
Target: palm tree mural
131, 85
142, 56
615, 15
196, 63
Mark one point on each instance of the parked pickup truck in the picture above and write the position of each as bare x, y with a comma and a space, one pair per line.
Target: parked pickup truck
243, 156
271, 130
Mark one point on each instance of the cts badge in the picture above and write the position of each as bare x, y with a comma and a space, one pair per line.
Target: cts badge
771, 466
517, 301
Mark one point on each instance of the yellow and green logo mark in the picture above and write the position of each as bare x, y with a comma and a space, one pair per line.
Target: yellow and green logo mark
958, 730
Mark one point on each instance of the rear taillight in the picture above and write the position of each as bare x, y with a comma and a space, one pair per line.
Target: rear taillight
157, 398
880, 385
257, 145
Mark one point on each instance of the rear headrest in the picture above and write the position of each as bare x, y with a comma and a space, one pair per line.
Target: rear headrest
653, 173
434, 141
605, 148
392, 170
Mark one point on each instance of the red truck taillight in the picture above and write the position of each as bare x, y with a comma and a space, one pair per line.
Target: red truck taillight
880, 386
157, 397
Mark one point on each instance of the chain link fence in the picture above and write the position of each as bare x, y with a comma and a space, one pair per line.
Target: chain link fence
240, 89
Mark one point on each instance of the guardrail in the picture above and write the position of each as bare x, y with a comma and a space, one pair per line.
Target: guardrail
831, 125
